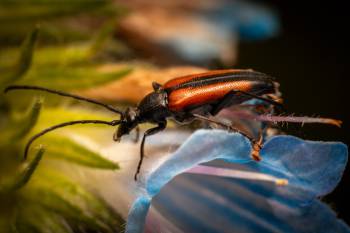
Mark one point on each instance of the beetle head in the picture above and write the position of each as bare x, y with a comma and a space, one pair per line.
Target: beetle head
129, 120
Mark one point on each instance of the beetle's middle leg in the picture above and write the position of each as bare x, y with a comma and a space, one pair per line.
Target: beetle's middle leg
256, 144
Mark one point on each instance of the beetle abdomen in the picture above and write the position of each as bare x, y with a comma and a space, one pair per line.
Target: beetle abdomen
186, 92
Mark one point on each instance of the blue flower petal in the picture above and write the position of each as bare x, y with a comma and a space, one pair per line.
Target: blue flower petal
201, 147
315, 167
199, 203
137, 212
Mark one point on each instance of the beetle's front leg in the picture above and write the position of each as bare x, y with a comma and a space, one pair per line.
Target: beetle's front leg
149, 132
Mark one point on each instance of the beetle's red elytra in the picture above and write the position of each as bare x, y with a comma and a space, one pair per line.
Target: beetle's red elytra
195, 90
191, 77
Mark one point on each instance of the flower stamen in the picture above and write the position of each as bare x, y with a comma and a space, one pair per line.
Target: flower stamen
238, 174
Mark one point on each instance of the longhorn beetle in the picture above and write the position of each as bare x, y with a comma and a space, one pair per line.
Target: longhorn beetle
184, 99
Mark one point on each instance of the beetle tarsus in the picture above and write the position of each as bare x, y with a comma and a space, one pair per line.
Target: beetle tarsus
257, 146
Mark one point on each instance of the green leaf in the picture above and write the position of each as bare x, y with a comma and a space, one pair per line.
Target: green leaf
26, 55
34, 218
59, 194
24, 61
28, 121
63, 114
21, 178
28, 171
16, 129
64, 148
6, 214
105, 33
16, 16
68, 78
56, 115
26, 10
62, 56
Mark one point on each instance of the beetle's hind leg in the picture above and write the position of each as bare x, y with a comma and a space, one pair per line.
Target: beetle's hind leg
237, 97
256, 144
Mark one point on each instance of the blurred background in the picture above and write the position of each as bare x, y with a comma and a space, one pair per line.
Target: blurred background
113, 50
310, 61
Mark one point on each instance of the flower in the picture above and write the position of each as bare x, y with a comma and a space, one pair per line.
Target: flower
175, 194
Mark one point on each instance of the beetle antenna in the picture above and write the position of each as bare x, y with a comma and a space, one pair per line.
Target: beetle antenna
61, 93
45, 131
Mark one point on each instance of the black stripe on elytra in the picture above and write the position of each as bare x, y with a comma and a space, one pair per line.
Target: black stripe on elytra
241, 76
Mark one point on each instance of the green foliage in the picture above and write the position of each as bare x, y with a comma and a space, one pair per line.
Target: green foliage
25, 123
77, 205
101, 38
16, 16
64, 148
77, 77
23, 175
35, 218
26, 174
12, 74
34, 195
63, 114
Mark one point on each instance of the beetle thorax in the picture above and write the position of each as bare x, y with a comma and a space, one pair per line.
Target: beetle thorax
152, 101
154, 107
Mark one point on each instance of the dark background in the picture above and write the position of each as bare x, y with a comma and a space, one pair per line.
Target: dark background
310, 62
